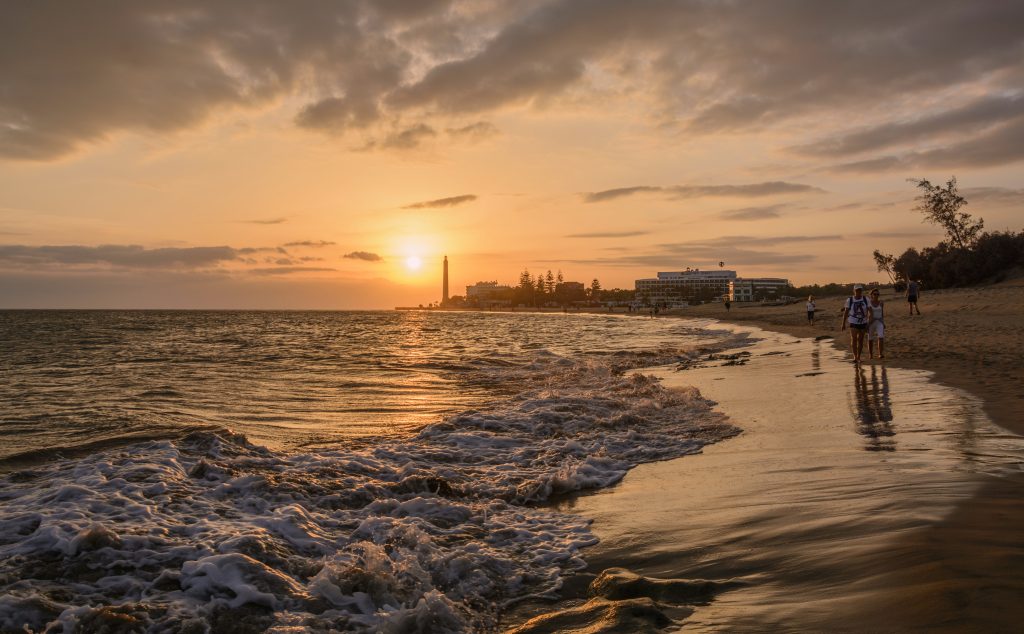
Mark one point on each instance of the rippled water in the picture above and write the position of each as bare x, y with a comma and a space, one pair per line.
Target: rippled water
381, 471
285, 379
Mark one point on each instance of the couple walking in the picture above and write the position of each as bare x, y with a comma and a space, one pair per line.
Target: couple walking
865, 316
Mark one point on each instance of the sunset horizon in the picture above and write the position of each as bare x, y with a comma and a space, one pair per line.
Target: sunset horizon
193, 155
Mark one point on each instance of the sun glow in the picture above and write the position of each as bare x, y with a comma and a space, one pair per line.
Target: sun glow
413, 263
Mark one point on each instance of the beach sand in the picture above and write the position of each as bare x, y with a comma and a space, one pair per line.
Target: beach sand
971, 338
879, 498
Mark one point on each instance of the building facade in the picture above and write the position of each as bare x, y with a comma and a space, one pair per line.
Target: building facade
488, 293
753, 289
677, 288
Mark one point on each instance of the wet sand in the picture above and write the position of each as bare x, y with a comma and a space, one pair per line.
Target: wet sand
857, 499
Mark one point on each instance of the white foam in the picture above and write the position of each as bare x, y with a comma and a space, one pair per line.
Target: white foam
435, 532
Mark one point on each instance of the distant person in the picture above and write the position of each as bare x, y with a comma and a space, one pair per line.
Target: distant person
876, 325
810, 309
857, 313
728, 305
913, 291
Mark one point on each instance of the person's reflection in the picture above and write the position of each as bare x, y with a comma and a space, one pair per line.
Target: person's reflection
874, 409
816, 356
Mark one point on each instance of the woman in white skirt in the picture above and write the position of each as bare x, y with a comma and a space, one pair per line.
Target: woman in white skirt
876, 327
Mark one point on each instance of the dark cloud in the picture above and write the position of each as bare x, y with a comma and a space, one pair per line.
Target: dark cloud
266, 221
443, 202
621, 192
999, 146
287, 270
752, 213
366, 256
127, 256
678, 259
898, 234
474, 132
78, 73
994, 195
751, 240
678, 192
733, 250
409, 138
973, 117
310, 243
608, 234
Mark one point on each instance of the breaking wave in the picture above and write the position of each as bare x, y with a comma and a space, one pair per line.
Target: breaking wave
434, 532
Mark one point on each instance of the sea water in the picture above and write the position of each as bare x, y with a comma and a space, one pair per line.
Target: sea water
354, 471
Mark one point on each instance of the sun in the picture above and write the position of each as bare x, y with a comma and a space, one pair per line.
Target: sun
413, 263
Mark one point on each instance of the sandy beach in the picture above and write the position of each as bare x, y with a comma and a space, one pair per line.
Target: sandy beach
882, 498
970, 338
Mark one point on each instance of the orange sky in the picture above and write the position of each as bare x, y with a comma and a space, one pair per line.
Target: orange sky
268, 155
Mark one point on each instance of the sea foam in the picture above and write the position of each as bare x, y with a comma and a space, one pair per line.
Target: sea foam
436, 532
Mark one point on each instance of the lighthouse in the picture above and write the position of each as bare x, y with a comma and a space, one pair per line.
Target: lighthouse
444, 290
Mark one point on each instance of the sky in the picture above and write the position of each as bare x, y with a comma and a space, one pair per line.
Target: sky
316, 154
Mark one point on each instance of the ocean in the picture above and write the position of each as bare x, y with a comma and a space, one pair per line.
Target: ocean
357, 471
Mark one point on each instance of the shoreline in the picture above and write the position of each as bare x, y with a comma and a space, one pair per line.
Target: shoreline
821, 515
961, 570
980, 352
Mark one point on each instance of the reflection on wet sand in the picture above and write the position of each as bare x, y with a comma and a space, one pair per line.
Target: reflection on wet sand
793, 523
872, 408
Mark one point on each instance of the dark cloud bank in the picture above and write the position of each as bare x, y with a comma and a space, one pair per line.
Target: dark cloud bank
451, 201
398, 72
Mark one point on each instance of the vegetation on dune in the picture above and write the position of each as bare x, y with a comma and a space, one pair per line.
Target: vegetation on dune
967, 256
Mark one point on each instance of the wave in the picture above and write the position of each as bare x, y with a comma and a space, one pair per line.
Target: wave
435, 532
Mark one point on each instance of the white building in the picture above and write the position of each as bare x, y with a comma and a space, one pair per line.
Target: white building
678, 287
750, 289
486, 291
675, 288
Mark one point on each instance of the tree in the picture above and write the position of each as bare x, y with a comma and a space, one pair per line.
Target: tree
886, 263
941, 206
559, 277
595, 289
549, 282
540, 283
525, 280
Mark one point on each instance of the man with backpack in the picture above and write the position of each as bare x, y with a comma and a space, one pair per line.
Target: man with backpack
857, 313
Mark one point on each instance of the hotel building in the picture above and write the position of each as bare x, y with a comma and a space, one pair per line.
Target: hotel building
677, 288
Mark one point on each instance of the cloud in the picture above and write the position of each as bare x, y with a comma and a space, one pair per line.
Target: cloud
679, 192
994, 195
474, 132
1002, 145
735, 251
752, 213
395, 69
363, 255
970, 118
310, 243
266, 221
409, 138
288, 270
608, 234
442, 202
126, 256
752, 240
621, 192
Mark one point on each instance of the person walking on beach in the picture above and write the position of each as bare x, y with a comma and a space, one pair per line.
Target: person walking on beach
856, 313
810, 309
876, 325
913, 290
728, 304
